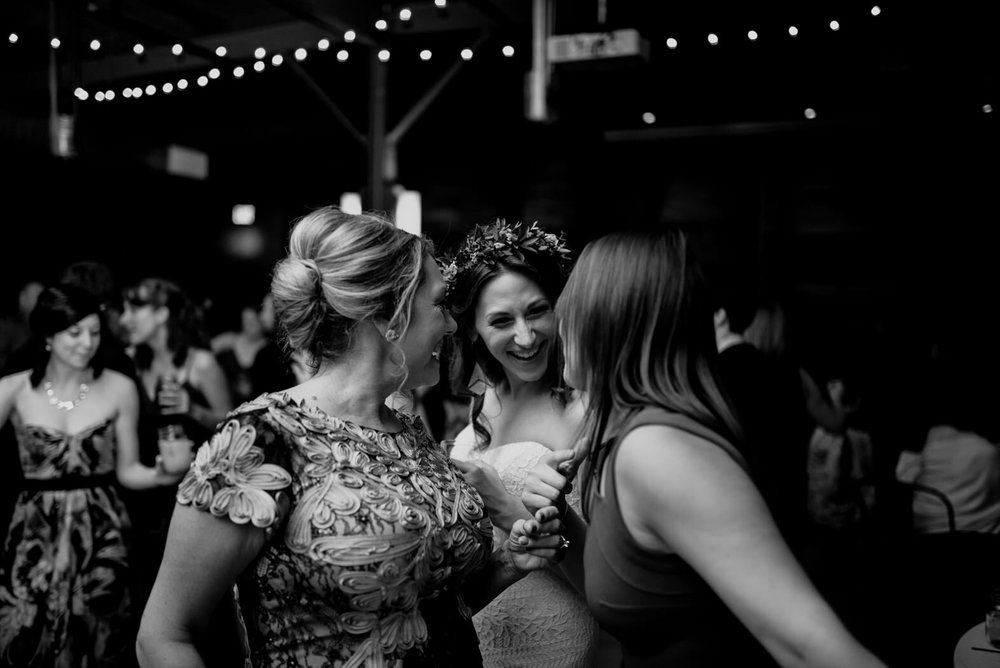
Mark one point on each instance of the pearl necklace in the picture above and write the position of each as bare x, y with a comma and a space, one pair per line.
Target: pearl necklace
66, 405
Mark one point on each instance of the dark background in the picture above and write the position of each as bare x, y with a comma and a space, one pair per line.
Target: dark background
880, 209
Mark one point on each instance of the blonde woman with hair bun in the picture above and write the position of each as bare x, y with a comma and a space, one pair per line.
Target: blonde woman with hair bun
352, 538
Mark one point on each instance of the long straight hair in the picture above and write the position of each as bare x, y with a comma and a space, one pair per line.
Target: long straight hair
638, 329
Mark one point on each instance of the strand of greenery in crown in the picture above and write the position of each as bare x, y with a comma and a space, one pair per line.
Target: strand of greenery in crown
493, 243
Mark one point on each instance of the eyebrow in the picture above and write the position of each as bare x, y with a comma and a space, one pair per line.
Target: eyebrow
533, 305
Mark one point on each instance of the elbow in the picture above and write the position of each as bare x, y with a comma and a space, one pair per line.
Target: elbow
144, 647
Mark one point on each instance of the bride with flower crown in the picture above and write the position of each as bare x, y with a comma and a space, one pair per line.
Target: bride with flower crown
503, 284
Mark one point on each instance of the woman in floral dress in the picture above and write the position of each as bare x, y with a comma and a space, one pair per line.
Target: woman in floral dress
352, 539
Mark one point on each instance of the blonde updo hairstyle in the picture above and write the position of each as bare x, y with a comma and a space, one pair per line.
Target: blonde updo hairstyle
342, 270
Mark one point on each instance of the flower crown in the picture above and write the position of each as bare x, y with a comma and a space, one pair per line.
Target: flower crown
500, 241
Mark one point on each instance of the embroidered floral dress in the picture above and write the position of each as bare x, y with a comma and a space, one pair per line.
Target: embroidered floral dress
362, 564
64, 599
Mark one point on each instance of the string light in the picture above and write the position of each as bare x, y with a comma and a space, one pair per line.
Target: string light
55, 43
109, 95
425, 55
127, 93
508, 51
793, 31
752, 35
259, 53
713, 39
214, 73
138, 49
300, 54
259, 66
177, 49
99, 96
350, 36
202, 81
323, 44
342, 55
440, 4
671, 43
876, 10
405, 14
168, 88
835, 25
95, 44
238, 71
809, 113
381, 25
182, 84
987, 108
221, 51
150, 89
466, 54
649, 118
12, 38
383, 55
277, 59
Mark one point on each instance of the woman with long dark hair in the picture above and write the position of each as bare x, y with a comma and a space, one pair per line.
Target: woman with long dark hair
680, 543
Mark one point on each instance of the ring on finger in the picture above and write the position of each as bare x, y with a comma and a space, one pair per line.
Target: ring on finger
563, 542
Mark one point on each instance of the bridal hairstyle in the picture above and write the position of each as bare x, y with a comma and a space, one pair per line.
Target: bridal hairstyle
638, 327
487, 252
343, 269
59, 307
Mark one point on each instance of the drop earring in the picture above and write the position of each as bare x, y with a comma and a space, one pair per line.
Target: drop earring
391, 335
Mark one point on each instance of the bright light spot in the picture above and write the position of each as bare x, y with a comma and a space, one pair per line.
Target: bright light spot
752, 35
809, 113
350, 203
182, 84
381, 25
323, 44
671, 43
220, 51
508, 51
425, 54
99, 96
168, 88
238, 71
440, 4
300, 54
110, 95
383, 55
713, 39
793, 31
987, 108
876, 10
55, 43
466, 54
95, 44
350, 36
136, 92
835, 25
342, 55
150, 89
259, 52
244, 214
80, 94
138, 49
12, 38
127, 92
177, 49
214, 73
202, 81
277, 59
259, 66
405, 14
649, 118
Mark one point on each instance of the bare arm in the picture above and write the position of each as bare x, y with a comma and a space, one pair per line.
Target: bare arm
210, 380
686, 493
204, 555
9, 386
130, 471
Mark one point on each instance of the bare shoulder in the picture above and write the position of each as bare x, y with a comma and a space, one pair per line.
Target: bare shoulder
203, 360
658, 454
117, 382
12, 384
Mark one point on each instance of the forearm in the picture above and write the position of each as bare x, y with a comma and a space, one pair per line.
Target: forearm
157, 653
506, 510
206, 417
138, 476
498, 574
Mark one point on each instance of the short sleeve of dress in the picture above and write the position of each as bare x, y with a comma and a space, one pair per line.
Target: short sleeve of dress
239, 471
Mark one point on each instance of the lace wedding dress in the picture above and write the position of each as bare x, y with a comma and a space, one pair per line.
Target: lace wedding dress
541, 620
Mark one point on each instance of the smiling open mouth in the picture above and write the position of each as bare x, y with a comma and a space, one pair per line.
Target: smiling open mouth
526, 357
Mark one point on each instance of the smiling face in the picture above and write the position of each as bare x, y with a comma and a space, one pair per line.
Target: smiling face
430, 322
76, 345
517, 325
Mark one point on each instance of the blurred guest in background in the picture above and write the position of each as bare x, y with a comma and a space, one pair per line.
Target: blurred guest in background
64, 570
15, 329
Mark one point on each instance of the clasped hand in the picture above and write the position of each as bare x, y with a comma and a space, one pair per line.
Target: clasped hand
550, 481
534, 543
